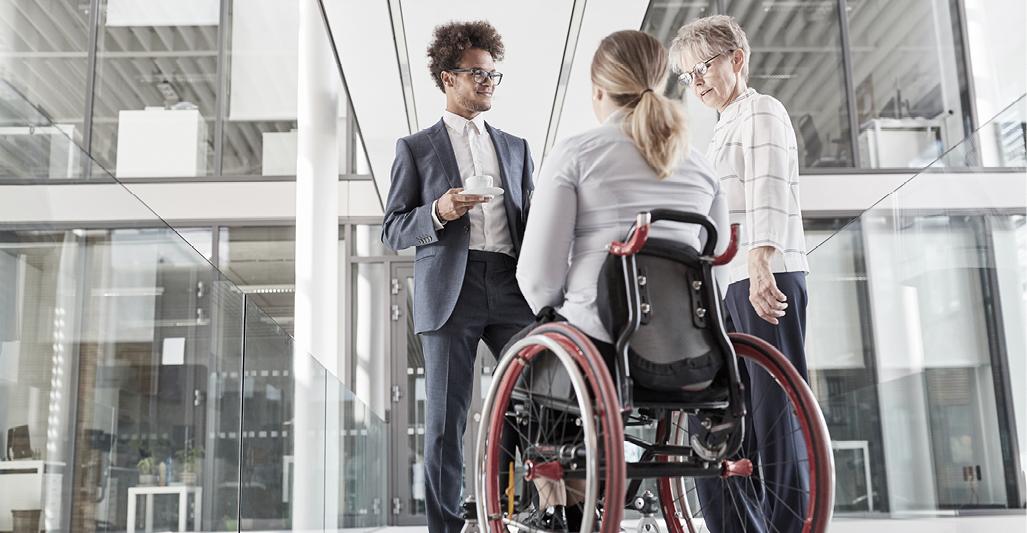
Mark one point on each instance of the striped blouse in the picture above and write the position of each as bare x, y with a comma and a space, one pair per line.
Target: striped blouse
753, 152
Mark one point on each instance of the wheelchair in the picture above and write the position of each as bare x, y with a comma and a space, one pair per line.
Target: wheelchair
574, 412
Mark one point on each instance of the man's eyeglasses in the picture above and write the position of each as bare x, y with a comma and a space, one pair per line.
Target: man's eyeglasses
699, 69
479, 76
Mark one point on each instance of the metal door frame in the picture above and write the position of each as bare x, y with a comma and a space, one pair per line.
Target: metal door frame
399, 475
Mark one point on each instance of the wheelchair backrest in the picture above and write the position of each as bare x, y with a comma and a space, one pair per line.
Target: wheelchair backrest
674, 347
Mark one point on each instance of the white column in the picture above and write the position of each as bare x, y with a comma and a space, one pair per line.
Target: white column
315, 493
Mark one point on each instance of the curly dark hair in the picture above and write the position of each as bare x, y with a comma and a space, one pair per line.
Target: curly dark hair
450, 40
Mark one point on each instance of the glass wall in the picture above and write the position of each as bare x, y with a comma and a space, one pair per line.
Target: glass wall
868, 83
910, 81
44, 66
156, 89
904, 357
797, 58
260, 118
916, 344
261, 261
161, 90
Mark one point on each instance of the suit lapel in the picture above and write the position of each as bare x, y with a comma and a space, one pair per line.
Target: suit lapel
513, 213
439, 138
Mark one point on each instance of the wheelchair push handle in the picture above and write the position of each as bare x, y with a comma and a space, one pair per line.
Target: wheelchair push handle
732, 248
639, 234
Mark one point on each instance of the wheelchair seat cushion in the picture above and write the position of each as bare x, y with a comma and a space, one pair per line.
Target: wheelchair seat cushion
674, 349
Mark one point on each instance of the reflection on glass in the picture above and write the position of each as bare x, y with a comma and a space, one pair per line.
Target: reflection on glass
370, 321
663, 19
156, 90
841, 367
260, 121
797, 58
367, 241
268, 413
903, 363
261, 261
43, 61
911, 85
363, 468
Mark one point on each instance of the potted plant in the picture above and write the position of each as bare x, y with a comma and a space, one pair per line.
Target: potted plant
147, 471
189, 458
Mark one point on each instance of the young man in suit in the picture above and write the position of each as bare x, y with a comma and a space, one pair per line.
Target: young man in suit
465, 288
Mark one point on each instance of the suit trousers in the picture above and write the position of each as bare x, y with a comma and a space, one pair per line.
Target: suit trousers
773, 505
490, 308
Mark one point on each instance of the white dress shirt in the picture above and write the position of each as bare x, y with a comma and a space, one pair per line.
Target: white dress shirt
475, 156
754, 153
588, 193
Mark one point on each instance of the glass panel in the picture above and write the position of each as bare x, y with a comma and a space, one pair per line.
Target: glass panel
839, 355
797, 58
367, 241
943, 361
268, 414
260, 120
226, 397
910, 81
113, 327
1002, 142
44, 62
36, 285
261, 261
121, 361
663, 20
156, 87
363, 468
370, 324
1009, 236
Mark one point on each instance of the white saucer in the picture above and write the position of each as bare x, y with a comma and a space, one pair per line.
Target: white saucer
484, 191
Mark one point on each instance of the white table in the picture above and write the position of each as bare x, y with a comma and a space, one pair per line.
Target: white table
183, 505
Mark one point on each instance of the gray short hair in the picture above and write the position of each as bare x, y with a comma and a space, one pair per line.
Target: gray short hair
707, 37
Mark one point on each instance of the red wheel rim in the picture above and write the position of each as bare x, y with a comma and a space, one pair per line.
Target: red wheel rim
607, 408
814, 432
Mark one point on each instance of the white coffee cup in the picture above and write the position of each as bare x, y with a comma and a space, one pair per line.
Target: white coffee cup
478, 182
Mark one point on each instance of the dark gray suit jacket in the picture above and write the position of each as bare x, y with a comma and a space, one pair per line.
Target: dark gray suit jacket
424, 169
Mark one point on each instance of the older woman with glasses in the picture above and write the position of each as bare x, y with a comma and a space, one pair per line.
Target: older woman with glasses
753, 152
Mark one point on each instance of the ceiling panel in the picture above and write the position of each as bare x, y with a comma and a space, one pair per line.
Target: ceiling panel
362, 32
601, 18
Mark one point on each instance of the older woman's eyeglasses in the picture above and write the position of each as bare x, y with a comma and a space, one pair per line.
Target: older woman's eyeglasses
699, 69
479, 76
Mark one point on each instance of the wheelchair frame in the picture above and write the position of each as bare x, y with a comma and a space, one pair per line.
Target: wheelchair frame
664, 460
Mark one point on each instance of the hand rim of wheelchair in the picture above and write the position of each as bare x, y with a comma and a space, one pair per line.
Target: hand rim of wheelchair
535, 344
572, 349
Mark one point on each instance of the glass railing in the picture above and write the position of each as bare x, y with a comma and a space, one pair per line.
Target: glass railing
916, 343
140, 390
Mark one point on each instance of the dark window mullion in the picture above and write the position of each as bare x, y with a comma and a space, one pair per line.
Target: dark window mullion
850, 87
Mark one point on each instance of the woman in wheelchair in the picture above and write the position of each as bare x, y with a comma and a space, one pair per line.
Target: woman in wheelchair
630, 346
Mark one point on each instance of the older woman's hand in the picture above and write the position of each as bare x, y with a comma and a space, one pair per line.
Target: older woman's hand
769, 302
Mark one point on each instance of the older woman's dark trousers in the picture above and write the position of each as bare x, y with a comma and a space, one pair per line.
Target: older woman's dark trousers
777, 502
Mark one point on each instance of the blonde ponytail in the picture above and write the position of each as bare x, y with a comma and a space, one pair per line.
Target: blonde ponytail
629, 66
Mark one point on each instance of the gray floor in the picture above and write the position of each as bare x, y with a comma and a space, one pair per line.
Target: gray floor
1007, 523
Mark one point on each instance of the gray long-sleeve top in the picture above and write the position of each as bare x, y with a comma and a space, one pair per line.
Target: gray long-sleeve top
588, 192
